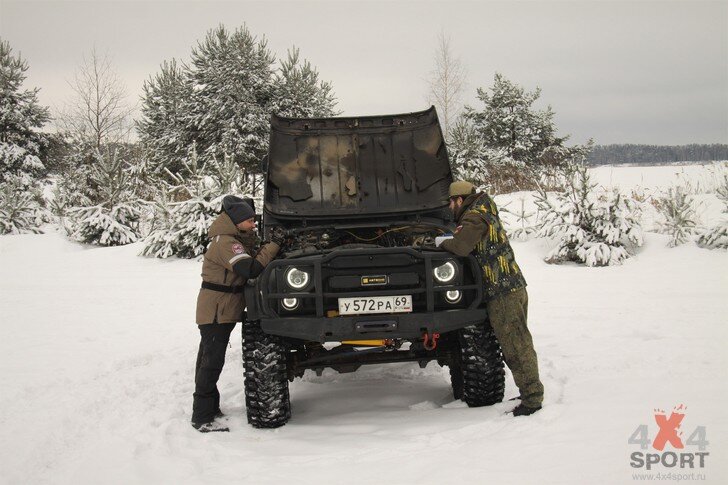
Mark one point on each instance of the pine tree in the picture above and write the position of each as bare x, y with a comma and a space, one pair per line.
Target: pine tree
185, 211
595, 228
298, 91
231, 76
163, 128
716, 237
677, 208
114, 217
21, 170
509, 121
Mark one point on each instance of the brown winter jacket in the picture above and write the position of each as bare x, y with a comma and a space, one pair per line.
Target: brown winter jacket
224, 263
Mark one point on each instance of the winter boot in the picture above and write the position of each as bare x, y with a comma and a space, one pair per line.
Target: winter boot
211, 427
522, 410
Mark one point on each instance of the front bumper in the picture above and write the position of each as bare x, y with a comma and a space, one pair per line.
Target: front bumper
406, 325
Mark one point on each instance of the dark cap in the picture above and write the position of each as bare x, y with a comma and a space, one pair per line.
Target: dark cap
238, 209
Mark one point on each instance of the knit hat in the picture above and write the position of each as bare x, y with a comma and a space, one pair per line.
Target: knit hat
238, 209
461, 188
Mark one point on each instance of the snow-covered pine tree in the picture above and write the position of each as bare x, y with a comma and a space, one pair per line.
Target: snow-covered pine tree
163, 129
299, 93
232, 93
21, 170
680, 218
508, 120
716, 237
114, 216
472, 160
590, 226
185, 211
524, 228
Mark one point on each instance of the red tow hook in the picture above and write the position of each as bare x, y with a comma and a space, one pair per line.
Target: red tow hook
430, 344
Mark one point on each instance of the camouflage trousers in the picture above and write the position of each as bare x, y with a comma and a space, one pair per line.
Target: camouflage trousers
508, 314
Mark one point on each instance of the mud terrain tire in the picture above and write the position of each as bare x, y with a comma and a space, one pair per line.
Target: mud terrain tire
476, 371
266, 380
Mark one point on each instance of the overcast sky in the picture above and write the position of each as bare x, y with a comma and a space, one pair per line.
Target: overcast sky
619, 72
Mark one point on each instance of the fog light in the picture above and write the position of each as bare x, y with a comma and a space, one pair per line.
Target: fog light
453, 296
290, 303
296, 278
445, 272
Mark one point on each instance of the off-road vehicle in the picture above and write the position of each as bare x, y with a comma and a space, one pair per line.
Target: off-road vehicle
363, 201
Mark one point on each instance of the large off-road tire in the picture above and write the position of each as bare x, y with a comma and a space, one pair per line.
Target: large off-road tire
476, 367
266, 379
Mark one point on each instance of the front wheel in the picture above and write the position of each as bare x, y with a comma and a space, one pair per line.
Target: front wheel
476, 366
266, 378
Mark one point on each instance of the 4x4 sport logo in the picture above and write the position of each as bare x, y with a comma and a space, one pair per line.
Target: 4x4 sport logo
668, 433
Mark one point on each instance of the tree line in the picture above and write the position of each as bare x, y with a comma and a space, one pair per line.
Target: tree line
656, 154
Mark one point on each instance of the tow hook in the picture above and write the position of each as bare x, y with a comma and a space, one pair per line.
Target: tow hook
430, 343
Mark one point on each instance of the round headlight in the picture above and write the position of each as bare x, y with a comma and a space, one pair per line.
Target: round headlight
296, 278
290, 303
452, 296
445, 273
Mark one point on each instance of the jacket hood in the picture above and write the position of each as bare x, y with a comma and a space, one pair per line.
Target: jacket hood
223, 225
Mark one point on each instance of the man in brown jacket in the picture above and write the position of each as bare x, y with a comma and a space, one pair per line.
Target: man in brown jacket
481, 232
228, 263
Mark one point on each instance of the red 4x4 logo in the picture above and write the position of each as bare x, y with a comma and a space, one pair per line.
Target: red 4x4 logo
669, 432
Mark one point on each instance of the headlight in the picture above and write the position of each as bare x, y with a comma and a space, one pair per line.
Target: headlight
296, 278
290, 303
445, 273
452, 296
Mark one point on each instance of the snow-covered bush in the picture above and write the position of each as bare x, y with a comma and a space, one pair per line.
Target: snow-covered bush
181, 228
524, 227
105, 226
20, 211
592, 227
112, 215
490, 168
680, 219
716, 237
185, 211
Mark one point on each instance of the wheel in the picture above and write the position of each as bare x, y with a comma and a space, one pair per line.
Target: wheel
476, 366
266, 379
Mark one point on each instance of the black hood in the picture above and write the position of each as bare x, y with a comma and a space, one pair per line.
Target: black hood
344, 167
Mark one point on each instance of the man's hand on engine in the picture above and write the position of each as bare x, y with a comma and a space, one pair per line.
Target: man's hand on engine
278, 235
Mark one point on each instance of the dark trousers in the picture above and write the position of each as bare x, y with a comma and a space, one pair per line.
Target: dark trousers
214, 340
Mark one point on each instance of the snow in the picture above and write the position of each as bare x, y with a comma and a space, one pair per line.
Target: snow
98, 350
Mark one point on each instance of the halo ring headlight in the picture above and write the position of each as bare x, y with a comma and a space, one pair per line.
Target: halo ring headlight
453, 296
296, 278
445, 273
290, 303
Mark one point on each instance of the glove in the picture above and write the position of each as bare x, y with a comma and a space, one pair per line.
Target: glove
278, 235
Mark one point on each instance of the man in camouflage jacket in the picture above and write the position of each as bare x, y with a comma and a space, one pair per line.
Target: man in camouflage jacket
230, 260
481, 232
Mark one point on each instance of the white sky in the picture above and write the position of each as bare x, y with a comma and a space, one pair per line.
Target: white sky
618, 72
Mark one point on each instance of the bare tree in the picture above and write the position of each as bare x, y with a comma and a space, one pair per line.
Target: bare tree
98, 113
447, 83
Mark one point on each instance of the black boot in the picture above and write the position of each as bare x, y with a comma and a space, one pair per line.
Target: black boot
211, 427
523, 410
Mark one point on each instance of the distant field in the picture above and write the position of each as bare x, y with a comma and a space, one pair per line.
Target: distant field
701, 177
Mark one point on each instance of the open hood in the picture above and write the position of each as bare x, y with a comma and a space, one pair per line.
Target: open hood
333, 167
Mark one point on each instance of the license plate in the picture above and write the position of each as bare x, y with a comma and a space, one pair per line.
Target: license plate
375, 304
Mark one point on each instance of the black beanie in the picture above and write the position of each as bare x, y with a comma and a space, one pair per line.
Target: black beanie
238, 209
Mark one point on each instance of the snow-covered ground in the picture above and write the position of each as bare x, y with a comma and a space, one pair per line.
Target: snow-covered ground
98, 348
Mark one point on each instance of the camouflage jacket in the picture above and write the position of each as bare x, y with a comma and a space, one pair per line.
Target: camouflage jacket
481, 232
